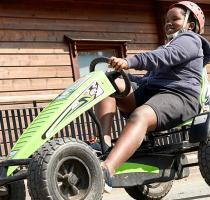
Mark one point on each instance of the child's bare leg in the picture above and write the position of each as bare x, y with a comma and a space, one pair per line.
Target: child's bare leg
143, 119
105, 111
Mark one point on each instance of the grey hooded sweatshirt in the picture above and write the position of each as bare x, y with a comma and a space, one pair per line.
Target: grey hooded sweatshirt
177, 65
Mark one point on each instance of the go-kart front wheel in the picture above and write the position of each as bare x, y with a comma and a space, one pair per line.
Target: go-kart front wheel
154, 191
204, 160
65, 169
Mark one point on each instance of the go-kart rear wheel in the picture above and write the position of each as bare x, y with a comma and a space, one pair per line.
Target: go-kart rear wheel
14, 191
204, 161
65, 169
152, 191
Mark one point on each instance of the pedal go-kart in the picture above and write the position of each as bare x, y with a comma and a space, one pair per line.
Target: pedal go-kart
65, 168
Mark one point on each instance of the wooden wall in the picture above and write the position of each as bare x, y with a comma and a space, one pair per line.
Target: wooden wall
34, 60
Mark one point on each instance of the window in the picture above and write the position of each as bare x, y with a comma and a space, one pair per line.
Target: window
85, 57
83, 51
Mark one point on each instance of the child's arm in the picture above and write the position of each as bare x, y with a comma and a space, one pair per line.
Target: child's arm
183, 49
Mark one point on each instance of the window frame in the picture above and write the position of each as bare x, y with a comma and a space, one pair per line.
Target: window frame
75, 45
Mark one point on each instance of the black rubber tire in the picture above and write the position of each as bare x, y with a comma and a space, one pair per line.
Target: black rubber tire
153, 191
16, 191
204, 161
65, 168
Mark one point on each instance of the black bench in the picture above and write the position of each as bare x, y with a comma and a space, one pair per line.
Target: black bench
14, 121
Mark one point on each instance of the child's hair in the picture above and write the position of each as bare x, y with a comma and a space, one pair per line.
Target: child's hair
191, 17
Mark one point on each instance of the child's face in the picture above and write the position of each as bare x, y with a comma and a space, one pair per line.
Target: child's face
174, 20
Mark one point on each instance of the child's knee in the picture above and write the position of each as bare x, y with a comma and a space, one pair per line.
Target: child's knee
144, 115
136, 116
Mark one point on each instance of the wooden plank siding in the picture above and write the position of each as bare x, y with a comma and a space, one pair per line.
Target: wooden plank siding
34, 60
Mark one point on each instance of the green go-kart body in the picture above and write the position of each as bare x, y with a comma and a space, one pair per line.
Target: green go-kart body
153, 162
75, 100
71, 103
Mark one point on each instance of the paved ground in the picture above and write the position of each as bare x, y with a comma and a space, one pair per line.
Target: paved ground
191, 188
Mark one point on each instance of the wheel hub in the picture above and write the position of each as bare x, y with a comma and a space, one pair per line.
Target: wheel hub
73, 178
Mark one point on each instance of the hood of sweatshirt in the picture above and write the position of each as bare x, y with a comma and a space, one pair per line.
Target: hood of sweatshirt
206, 49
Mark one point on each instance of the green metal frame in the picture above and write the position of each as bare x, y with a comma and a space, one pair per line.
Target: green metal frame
129, 167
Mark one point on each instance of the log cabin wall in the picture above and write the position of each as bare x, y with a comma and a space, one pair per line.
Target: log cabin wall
35, 62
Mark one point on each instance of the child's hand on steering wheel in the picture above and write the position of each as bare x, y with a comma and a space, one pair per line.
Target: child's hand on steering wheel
118, 63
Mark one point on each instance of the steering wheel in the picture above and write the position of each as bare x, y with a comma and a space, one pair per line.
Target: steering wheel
112, 76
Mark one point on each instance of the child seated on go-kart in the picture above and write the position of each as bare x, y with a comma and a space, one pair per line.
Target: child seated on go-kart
167, 95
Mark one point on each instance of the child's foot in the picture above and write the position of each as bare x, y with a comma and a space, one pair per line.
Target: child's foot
107, 179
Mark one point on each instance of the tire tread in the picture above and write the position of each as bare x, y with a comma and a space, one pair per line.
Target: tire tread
204, 161
38, 185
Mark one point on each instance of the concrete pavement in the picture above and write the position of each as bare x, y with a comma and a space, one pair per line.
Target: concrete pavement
191, 188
